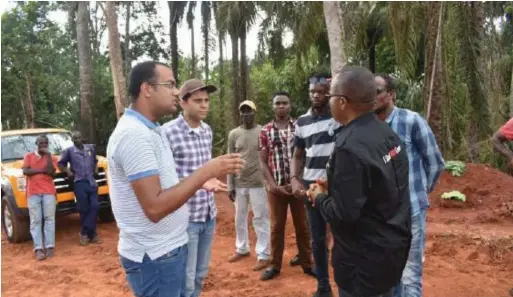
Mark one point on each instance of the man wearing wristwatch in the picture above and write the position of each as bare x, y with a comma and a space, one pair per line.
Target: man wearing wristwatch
314, 141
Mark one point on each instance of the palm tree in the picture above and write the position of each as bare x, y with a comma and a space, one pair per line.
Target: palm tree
206, 15
176, 13
190, 23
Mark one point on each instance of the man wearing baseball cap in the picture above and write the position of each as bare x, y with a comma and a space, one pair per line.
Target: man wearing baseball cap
248, 188
190, 140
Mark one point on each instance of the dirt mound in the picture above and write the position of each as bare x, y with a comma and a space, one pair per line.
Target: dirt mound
489, 192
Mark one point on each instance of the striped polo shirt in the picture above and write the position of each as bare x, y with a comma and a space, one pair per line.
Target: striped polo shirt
316, 135
136, 150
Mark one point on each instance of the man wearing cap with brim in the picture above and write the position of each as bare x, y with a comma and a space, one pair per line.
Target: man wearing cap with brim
248, 188
190, 140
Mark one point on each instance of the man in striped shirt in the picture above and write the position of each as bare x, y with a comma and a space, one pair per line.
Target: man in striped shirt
190, 140
313, 144
425, 166
275, 153
148, 200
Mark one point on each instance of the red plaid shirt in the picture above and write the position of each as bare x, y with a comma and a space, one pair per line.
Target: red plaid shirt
278, 144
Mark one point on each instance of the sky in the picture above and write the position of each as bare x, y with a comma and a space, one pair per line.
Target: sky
184, 35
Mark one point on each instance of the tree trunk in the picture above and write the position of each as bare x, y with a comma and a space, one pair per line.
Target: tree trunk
235, 77
193, 55
85, 65
434, 87
116, 62
173, 36
243, 66
128, 57
472, 49
28, 104
206, 13
332, 16
511, 96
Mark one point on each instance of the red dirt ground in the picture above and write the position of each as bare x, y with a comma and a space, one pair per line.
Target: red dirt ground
469, 252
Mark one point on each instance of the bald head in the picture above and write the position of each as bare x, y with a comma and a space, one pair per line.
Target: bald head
357, 84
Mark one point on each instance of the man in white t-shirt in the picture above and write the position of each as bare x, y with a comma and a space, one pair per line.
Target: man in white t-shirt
148, 200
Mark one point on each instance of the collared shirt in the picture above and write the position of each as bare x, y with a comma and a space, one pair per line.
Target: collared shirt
316, 135
192, 148
39, 184
426, 161
136, 150
83, 162
278, 144
368, 207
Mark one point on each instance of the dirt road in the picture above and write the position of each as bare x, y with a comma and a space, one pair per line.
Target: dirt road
469, 253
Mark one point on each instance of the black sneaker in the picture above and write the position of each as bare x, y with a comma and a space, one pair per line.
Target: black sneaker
269, 273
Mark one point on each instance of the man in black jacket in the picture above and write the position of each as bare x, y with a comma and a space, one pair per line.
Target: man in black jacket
365, 199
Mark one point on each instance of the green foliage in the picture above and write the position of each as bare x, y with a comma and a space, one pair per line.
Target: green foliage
454, 195
456, 168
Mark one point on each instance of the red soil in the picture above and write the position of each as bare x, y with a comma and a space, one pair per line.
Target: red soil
469, 252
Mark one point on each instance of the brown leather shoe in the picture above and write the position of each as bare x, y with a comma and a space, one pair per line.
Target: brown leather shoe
236, 257
260, 264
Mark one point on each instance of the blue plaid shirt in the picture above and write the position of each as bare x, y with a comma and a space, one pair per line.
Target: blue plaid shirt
426, 161
191, 149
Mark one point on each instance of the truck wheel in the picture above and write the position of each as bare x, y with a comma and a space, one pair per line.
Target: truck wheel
15, 228
105, 215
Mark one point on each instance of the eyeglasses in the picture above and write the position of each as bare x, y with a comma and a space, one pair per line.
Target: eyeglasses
170, 84
318, 80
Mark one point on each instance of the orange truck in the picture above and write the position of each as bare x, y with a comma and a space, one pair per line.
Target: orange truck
15, 216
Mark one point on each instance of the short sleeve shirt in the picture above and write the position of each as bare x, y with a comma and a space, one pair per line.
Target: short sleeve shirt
39, 184
507, 130
136, 150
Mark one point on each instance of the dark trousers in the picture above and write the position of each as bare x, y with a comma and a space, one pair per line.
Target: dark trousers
278, 205
87, 207
342, 293
318, 228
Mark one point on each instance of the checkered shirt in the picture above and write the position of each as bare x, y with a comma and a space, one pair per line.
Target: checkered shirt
425, 160
191, 149
278, 144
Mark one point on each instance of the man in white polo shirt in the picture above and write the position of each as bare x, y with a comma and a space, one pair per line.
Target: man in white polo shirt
148, 200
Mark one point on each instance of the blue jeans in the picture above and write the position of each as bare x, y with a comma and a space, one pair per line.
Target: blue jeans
199, 251
162, 277
87, 207
319, 249
411, 281
42, 207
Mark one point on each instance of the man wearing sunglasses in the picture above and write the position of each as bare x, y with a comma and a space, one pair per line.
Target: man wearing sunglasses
314, 140
426, 164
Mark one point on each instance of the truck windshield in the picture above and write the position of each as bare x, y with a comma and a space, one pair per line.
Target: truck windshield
16, 146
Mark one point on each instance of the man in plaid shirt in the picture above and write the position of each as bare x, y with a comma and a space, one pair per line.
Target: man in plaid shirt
275, 148
190, 140
426, 164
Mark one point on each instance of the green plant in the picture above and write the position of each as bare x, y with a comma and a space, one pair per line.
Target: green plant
454, 195
456, 168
